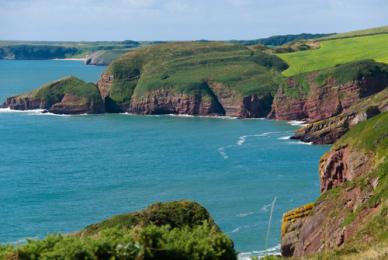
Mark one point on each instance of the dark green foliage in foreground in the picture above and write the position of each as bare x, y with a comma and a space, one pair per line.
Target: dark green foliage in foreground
151, 242
174, 230
175, 214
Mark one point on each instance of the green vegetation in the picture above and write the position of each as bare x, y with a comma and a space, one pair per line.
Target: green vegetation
53, 92
337, 51
50, 50
302, 83
188, 67
366, 32
174, 230
278, 40
175, 214
369, 136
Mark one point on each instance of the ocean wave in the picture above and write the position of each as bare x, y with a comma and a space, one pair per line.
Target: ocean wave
266, 207
242, 139
222, 151
296, 123
242, 215
9, 110
300, 142
37, 112
275, 250
285, 137
241, 227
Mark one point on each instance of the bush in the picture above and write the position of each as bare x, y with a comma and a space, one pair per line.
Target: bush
150, 242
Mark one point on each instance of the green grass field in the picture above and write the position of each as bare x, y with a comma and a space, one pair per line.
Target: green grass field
338, 51
370, 31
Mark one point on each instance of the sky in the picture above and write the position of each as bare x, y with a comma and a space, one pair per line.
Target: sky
150, 20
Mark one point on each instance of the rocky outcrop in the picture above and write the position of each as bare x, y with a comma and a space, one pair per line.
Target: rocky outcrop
234, 105
340, 165
166, 101
329, 130
104, 57
319, 95
292, 221
66, 96
353, 183
23, 102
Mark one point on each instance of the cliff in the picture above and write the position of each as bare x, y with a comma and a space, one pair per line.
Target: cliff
214, 78
327, 131
322, 94
65, 96
172, 230
104, 57
193, 78
350, 217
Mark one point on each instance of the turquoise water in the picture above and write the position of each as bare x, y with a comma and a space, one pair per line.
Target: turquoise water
61, 173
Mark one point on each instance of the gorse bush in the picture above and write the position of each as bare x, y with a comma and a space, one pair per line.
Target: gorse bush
151, 242
172, 230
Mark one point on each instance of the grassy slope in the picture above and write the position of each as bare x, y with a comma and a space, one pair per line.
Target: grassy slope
342, 73
365, 32
54, 91
50, 50
184, 67
337, 51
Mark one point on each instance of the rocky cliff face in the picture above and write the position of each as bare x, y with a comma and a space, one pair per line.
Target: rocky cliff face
166, 101
323, 101
353, 179
327, 131
66, 96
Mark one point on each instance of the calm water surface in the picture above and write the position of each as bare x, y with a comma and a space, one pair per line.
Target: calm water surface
61, 173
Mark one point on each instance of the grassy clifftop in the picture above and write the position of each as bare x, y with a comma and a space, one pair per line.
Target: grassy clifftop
337, 51
53, 92
185, 66
343, 73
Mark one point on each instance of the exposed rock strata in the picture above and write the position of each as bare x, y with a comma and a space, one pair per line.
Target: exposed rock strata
327, 131
66, 96
325, 101
351, 177
165, 101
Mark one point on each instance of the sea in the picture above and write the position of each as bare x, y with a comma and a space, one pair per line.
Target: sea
60, 173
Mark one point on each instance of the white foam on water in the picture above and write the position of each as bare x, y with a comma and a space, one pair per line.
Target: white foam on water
236, 230
242, 215
242, 139
36, 112
266, 207
296, 123
222, 152
300, 142
285, 137
31, 111
272, 251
